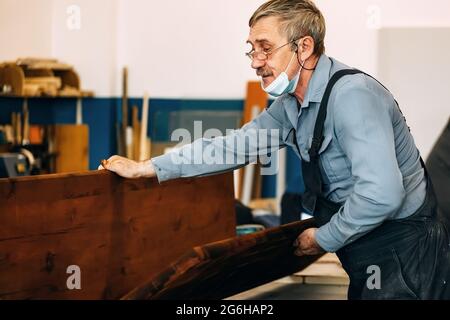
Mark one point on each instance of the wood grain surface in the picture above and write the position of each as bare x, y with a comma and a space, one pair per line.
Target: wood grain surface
118, 231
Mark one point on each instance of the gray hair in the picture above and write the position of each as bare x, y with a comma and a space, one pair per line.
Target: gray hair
299, 18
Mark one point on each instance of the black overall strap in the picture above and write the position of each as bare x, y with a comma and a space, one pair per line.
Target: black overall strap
322, 115
311, 170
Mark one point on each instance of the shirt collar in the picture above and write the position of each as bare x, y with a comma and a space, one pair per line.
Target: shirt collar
316, 89
318, 82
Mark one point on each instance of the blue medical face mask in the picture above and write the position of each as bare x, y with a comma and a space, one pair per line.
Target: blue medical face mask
281, 84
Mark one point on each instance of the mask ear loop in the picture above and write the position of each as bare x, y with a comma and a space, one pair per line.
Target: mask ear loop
289, 64
302, 64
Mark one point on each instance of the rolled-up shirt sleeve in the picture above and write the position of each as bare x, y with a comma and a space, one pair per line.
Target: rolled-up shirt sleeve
364, 130
236, 149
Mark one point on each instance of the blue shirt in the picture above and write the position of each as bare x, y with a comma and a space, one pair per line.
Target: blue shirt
369, 161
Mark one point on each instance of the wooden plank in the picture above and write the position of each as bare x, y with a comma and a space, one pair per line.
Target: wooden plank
136, 132
14, 127
123, 133
26, 123
256, 98
118, 231
144, 152
54, 81
71, 143
39, 63
327, 270
285, 289
222, 269
19, 128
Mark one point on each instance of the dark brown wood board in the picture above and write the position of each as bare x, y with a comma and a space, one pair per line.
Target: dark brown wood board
118, 231
224, 268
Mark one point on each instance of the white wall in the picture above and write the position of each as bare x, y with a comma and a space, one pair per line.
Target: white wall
92, 48
418, 76
352, 25
188, 49
195, 48
25, 28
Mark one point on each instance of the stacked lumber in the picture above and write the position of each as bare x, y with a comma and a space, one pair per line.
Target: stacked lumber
39, 64
48, 86
33, 77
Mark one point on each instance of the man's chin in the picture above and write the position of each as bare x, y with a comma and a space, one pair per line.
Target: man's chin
266, 81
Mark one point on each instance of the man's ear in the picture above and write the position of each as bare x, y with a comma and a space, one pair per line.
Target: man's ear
305, 48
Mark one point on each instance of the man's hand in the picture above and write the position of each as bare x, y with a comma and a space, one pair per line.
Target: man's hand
128, 168
306, 243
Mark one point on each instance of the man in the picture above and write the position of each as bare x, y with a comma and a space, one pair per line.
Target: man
374, 206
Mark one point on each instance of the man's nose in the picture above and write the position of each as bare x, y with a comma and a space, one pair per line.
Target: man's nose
256, 63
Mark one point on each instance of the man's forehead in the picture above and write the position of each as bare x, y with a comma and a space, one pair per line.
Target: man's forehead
265, 30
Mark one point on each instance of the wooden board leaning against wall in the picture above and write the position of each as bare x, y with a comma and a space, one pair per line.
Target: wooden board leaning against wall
248, 180
71, 146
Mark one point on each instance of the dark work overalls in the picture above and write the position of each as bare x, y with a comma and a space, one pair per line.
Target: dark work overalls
412, 254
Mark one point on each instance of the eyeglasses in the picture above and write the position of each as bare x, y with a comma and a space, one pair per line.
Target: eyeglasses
261, 55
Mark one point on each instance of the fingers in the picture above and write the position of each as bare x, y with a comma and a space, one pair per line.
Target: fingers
304, 251
124, 167
102, 165
108, 164
105, 164
297, 242
302, 245
115, 165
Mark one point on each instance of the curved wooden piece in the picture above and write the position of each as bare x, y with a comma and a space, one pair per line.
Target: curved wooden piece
12, 75
69, 78
221, 269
